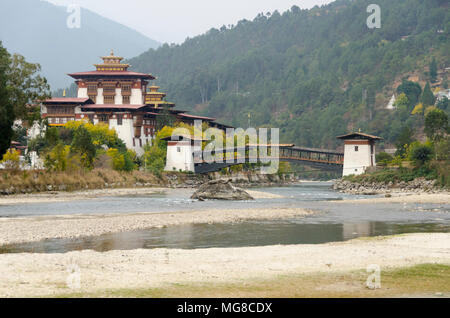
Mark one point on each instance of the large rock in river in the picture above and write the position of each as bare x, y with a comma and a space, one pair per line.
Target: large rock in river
220, 190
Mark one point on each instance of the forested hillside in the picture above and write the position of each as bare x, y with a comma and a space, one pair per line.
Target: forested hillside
314, 73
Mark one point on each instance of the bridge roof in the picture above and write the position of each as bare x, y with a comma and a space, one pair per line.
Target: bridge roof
272, 145
334, 152
359, 135
182, 137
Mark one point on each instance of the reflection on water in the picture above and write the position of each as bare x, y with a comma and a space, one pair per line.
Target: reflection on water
226, 235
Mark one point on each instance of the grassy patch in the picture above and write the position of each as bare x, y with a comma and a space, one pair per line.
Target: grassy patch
422, 280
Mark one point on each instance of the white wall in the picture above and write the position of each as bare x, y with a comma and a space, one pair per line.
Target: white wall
100, 96
183, 160
118, 100
83, 92
356, 162
136, 98
124, 131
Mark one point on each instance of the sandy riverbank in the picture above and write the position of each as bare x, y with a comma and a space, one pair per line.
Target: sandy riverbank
31, 229
93, 194
435, 198
46, 274
76, 195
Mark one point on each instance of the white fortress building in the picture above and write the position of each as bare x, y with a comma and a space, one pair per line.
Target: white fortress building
120, 98
359, 153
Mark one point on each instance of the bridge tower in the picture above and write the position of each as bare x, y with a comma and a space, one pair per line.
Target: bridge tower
359, 153
180, 153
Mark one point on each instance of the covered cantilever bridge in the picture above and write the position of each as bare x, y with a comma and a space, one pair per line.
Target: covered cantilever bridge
319, 158
181, 156
359, 155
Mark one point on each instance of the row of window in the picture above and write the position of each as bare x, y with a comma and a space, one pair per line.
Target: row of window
110, 99
150, 122
59, 121
60, 110
92, 88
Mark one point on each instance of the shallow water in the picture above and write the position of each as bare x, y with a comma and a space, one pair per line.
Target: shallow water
333, 221
227, 235
172, 201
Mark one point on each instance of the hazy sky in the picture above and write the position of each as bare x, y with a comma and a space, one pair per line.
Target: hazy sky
174, 20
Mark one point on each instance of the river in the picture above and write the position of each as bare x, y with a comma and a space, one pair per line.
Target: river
334, 221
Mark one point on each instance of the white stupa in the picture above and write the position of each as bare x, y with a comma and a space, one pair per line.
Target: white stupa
391, 106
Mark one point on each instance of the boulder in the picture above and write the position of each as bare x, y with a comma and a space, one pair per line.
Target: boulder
220, 190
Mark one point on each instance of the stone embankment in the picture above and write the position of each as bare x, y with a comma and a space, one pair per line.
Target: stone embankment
48, 182
241, 179
419, 185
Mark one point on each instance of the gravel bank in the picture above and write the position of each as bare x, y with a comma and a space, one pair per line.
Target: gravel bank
31, 229
441, 198
93, 194
75, 196
47, 274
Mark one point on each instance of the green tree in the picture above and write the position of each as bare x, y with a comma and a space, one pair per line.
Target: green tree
427, 98
412, 90
82, 145
433, 70
6, 108
27, 87
165, 119
401, 101
436, 124
404, 139
57, 158
420, 154
443, 103
155, 158
52, 137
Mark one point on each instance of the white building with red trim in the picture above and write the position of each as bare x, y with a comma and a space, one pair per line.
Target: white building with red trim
120, 98
359, 153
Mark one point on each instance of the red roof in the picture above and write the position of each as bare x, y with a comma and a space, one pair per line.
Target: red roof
197, 117
112, 73
61, 100
113, 106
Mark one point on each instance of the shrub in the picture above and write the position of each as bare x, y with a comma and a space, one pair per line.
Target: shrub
383, 158
419, 153
11, 159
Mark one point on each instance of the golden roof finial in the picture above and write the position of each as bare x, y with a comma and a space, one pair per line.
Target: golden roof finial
112, 52
64, 93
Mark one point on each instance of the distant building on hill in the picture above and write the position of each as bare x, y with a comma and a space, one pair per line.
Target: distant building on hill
122, 99
443, 93
391, 106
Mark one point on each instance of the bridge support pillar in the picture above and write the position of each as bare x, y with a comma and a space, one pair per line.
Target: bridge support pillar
180, 156
359, 153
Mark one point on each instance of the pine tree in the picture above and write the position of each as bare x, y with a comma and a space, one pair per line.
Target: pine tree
427, 98
433, 70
